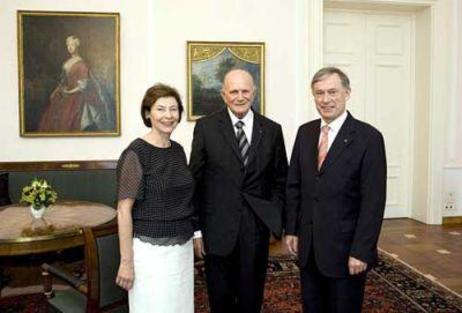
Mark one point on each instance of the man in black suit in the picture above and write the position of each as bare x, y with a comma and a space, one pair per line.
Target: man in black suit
335, 196
239, 164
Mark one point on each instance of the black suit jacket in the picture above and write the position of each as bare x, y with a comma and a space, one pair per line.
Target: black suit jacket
224, 186
337, 210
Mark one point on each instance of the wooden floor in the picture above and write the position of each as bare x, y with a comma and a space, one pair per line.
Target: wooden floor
433, 250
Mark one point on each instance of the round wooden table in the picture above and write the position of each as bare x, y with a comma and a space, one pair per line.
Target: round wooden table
67, 218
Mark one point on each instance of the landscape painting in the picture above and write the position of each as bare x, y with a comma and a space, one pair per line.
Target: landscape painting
208, 62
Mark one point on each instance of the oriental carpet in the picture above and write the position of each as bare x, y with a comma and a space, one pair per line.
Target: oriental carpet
391, 287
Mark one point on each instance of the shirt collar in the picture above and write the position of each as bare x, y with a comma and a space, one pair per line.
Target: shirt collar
246, 119
336, 124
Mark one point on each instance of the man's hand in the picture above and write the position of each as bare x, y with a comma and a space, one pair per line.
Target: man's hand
356, 266
199, 250
291, 242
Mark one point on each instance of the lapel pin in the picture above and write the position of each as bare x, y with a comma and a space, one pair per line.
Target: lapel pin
345, 140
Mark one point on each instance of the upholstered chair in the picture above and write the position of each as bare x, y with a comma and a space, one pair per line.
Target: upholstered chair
98, 292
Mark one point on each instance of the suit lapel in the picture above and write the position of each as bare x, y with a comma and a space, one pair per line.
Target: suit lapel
312, 145
227, 130
257, 134
343, 139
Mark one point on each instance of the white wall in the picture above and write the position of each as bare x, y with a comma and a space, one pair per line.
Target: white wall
453, 163
176, 21
153, 49
421, 114
134, 57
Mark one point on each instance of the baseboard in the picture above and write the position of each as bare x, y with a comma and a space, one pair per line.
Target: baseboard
452, 220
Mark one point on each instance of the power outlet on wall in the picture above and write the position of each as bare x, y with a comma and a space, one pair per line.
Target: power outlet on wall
450, 202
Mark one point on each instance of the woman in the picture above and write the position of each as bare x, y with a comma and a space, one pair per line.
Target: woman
77, 103
155, 190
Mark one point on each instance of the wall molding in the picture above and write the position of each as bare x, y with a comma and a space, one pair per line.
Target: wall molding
453, 107
453, 167
72, 165
452, 220
438, 81
314, 49
391, 3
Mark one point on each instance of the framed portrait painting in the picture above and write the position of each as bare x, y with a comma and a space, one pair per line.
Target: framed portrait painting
68, 73
208, 62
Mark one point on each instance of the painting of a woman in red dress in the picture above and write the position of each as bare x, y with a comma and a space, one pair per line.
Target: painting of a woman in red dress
78, 103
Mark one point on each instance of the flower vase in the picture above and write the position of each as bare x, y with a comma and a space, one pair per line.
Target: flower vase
37, 213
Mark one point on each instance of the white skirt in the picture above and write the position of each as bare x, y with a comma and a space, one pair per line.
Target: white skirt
164, 278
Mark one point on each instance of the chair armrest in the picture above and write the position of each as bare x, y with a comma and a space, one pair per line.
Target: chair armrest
75, 282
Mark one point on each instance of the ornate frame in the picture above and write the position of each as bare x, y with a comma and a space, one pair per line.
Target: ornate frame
92, 108
207, 63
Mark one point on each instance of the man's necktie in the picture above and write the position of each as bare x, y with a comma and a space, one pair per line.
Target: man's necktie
323, 145
242, 142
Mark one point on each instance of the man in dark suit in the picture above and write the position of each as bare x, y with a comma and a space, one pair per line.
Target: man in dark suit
239, 163
335, 197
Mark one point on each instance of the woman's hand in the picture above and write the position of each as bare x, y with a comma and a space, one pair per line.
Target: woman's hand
125, 275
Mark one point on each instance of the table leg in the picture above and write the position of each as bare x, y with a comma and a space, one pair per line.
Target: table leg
4, 279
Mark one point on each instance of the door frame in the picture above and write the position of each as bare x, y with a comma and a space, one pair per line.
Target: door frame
409, 155
427, 173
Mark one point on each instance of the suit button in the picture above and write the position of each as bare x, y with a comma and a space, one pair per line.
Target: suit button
317, 178
315, 199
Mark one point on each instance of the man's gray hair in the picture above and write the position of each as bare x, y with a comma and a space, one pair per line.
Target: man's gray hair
327, 71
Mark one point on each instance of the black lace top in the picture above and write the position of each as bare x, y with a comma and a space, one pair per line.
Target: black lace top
159, 181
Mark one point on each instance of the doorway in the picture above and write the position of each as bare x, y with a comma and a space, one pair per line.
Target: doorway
375, 49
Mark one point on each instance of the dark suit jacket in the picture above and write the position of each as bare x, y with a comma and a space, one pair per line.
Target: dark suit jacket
337, 210
224, 186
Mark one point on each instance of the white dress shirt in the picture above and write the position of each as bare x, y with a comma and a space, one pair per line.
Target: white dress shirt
334, 128
248, 124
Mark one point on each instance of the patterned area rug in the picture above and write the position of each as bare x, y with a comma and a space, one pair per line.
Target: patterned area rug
391, 287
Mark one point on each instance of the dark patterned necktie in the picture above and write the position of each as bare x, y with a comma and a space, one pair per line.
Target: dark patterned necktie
242, 142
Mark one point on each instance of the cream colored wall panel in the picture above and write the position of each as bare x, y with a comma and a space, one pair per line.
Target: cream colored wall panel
336, 42
389, 94
379, 68
393, 208
391, 110
349, 57
394, 192
389, 40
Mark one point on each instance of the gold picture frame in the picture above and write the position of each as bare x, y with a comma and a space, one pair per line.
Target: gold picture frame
208, 62
69, 73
